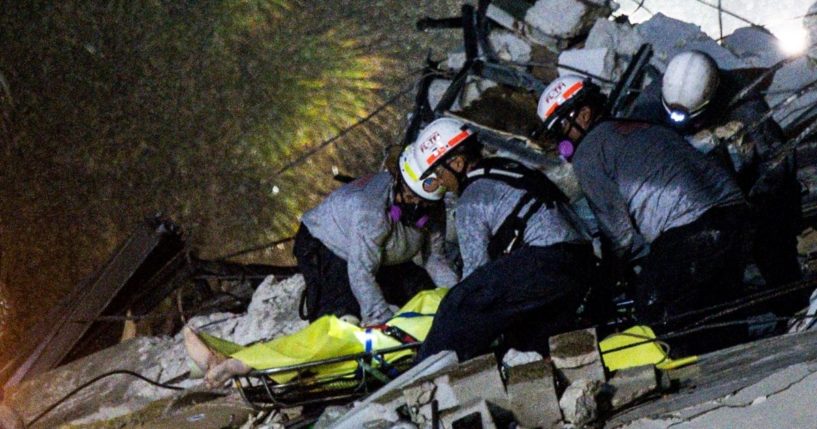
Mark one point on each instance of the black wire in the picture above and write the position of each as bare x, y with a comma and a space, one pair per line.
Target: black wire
94, 380
728, 12
306, 155
255, 248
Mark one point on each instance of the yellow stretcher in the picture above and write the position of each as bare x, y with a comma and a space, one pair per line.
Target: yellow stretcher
331, 359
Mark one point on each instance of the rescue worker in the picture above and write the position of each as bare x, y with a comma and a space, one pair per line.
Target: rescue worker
355, 249
527, 263
692, 97
660, 204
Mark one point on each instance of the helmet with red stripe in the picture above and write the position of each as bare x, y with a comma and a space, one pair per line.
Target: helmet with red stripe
564, 96
434, 144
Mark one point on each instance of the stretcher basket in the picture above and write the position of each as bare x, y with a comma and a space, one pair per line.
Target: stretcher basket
307, 388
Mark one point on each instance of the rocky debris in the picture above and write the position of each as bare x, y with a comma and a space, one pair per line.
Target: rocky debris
670, 37
630, 384
620, 39
477, 378
475, 414
578, 402
514, 358
510, 47
273, 312
330, 416
791, 78
600, 62
566, 19
576, 356
755, 46
810, 23
532, 394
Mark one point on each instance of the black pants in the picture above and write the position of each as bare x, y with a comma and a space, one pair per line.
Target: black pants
528, 295
775, 200
327, 280
692, 267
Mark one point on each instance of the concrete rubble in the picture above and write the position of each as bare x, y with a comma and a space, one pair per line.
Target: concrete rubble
578, 402
576, 356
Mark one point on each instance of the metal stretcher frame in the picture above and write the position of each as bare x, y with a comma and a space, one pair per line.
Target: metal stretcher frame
259, 390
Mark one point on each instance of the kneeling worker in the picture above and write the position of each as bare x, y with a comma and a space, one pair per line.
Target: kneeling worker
662, 204
527, 262
355, 249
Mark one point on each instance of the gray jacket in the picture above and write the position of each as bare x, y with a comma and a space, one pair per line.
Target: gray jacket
353, 223
486, 203
642, 180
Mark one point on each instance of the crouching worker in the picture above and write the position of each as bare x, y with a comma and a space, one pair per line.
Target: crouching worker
661, 204
527, 263
355, 249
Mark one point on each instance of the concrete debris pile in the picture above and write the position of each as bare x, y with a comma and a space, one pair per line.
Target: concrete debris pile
570, 388
273, 312
586, 40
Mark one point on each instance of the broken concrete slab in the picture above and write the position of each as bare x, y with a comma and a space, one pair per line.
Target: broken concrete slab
514, 358
473, 90
576, 356
478, 413
330, 416
566, 19
510, 47
599, 62
810, 23
578, 402
108, 398
391, 396
436, 90
477, 378
755, 46
787, 81
510, 14
621, 39
782, 400
670, 37
633, 383
532, 395
273, 311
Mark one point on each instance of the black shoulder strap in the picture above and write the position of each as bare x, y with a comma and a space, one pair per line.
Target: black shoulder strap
537, 187
517, 176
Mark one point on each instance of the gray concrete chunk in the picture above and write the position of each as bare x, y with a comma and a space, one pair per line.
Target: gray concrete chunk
578, 402
670, 37
477, 378
633, 383
576, 356
532, 395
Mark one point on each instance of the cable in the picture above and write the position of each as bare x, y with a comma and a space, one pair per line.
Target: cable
306, 155
566, 67
94, 380
255, 248
641, 6
730, 13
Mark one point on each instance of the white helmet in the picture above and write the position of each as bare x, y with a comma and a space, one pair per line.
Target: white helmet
689, 83
419, 158
410, 170
556, 95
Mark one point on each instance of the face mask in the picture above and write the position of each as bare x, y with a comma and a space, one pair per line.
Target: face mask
566, 149
408, 214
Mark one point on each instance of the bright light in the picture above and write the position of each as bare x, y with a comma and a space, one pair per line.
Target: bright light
793, 39
276, 190
677, 116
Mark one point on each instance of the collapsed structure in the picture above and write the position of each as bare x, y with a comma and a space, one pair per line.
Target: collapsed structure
511, 50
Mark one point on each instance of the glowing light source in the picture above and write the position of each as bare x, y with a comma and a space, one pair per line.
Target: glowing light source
677, 116
793, 39
275, 190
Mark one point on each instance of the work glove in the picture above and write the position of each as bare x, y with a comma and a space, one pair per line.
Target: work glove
380, 316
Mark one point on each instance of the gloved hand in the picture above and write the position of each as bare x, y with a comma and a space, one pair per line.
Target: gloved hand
380, 316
